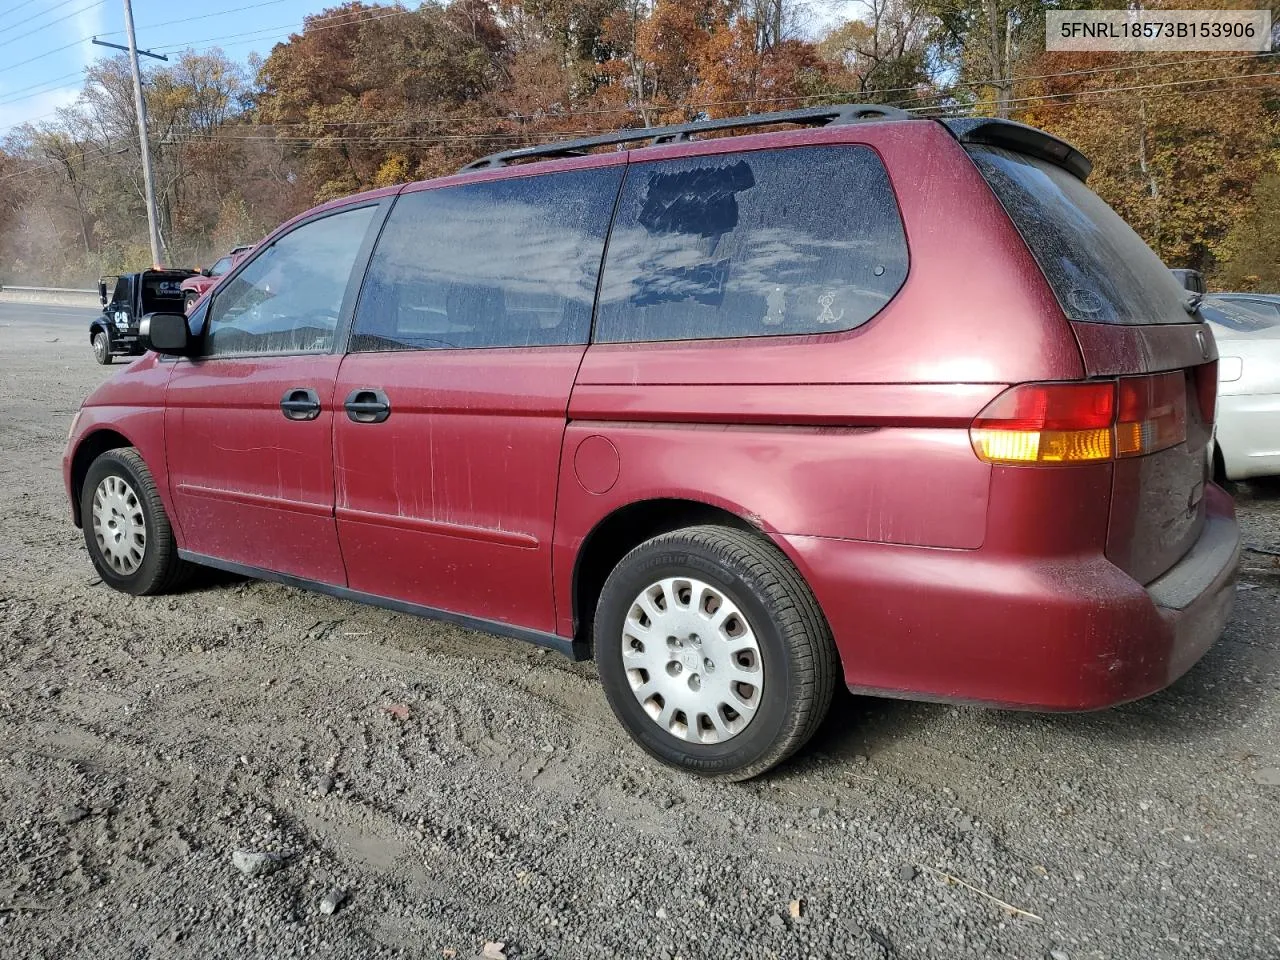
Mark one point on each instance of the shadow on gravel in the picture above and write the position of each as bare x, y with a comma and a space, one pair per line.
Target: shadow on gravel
1217, 695
1261, 489
865, 725
207, 578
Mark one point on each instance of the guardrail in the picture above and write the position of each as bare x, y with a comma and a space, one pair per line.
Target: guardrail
66, 296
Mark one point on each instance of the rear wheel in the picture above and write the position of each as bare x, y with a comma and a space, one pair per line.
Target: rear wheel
713, 652
126, 528
102, 348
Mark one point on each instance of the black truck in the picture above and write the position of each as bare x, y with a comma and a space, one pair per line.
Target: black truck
132, 296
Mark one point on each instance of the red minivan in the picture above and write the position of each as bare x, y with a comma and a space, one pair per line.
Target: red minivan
878, 395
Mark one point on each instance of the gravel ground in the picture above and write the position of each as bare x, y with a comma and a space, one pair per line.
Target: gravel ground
426, 791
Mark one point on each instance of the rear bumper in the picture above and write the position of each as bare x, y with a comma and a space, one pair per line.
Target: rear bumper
1063, 633
1248, 434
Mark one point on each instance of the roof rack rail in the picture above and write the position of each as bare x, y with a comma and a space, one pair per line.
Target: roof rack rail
836, 115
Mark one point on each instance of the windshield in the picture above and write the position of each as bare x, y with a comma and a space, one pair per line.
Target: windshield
1099, 269
1233, 316
221, 267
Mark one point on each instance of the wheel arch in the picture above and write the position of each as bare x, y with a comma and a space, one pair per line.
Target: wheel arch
625, 528
91, 446
98, 326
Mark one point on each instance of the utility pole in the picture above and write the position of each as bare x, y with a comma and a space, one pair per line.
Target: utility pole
140, 104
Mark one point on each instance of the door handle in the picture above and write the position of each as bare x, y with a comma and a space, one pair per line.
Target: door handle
300, 403
367, 405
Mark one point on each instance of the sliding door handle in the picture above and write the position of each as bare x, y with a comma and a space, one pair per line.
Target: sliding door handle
300, 403
367, 405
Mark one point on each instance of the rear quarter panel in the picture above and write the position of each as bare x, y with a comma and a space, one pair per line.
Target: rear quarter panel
860, 435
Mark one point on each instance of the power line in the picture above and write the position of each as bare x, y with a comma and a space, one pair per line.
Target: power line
322, 141
51, 84
1122, 89
45, 26
488, 137
83, 155
47, 53
36, 16
25, 3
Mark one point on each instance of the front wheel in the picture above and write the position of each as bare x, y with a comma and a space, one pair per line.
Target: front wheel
713, 652
102, 348
189, 301
126, 528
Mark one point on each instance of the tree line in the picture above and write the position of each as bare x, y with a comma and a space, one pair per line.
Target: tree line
366, 94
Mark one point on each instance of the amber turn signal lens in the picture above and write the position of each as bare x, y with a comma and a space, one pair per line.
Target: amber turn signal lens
1047, 423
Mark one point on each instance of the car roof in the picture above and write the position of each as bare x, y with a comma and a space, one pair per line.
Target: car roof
1269, 297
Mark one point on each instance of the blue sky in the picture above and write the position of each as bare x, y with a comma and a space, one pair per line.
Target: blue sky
46, 44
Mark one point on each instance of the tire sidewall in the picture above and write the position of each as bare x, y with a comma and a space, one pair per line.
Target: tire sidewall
102, 354
138, 582
648, 564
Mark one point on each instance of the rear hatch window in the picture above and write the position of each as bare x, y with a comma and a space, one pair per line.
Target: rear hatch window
1099, 269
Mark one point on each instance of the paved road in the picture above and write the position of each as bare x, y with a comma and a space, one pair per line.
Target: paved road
42, 317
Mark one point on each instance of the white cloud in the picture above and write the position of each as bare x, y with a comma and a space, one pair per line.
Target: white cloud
35, 108
89, 24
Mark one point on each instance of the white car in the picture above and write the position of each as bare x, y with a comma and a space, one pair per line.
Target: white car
1248, 422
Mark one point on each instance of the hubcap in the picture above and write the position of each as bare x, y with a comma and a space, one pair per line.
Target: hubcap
692, 660
100, 345
119, 526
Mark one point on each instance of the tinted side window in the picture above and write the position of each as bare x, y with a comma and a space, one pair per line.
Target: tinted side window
123, 293
288, 299
794, 241
162, 294
504, 263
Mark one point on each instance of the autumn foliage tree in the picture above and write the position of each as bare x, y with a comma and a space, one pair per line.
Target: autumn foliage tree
371, 94
1176, 149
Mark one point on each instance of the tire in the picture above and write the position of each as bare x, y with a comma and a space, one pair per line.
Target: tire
189, 301
130, 507
780, 691
102, 348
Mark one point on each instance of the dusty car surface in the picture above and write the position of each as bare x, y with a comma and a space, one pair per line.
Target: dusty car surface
126, 299
1248, 427
881, 398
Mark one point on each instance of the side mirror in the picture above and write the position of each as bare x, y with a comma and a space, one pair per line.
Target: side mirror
1191, 280
205, 272
166, 333
102, 292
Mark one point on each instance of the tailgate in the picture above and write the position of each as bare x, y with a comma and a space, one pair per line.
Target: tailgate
1157, 501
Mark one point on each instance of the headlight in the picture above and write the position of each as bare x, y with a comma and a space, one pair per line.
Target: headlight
1230, 368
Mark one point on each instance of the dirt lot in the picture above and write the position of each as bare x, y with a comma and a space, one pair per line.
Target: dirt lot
144, 741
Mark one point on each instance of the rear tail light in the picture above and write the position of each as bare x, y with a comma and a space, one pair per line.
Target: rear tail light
1051, 423
1151, 414
1047, 423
